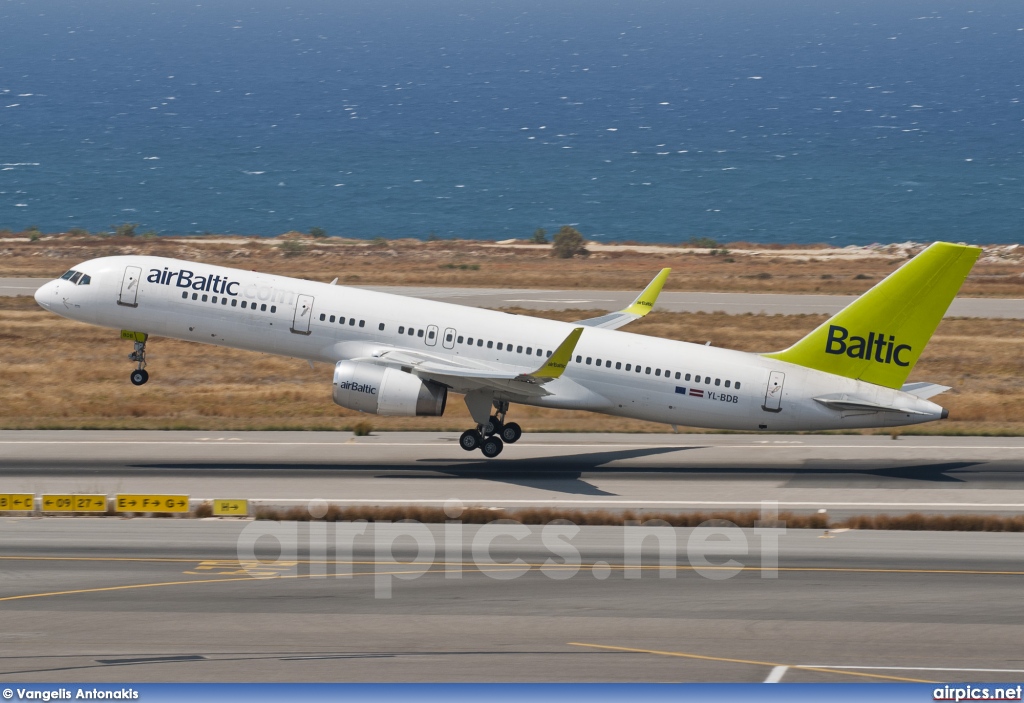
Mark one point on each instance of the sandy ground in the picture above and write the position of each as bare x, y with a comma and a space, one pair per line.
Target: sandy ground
729, 268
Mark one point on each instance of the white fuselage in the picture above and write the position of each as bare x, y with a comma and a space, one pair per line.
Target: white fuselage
611, 372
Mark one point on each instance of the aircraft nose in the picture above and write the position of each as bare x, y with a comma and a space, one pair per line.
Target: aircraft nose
44, 293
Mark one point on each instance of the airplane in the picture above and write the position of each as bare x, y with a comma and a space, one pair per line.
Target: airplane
402, 356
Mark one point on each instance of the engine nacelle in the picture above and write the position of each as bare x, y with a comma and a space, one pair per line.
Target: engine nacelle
385, 391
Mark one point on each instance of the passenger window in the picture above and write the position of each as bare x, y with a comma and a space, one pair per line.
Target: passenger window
549, 355
419, 333
214, 300
500, 345
263, 308
579, 359
244, 304
629, 367
707, 380
688, 377
460, 339
401, 329
618, 365
479, 342
727, 384
234, 303
588, 361
597, 363
529, 350
68, 275
412, 331
362, 323
490, 345
224, 301
696, 379
351, 322
184, 295
718, 381
381, 328
322, 317
273, 308
469, 341
638, 369
737, 385
205, 297
539, 352
608, 364
677, 375
86, 280
648, 371
331, 319
341, 320
657, 372
519, 350
430, 335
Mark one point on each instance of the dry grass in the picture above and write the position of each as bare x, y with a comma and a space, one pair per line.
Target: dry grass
751, 518
481, 264
60, 374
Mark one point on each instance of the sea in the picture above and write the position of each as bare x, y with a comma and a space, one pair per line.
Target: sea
781, 121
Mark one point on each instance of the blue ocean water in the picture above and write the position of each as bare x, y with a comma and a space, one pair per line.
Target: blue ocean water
760, 120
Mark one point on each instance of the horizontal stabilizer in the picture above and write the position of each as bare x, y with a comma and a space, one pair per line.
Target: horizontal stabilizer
845, 401
923, 389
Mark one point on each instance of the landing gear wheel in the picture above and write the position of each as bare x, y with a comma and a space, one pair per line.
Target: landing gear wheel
493, 426
470, 440
492, 447
139, 376
511, 433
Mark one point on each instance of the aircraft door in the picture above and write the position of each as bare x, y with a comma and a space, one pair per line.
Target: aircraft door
303, 314
130, 287
773, 393
449, 338
431, 339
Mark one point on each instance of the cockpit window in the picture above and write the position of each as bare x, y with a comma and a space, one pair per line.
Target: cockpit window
85, 280
75, 277
68, 275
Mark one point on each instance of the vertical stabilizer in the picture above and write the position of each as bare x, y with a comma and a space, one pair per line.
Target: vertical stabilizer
880, 336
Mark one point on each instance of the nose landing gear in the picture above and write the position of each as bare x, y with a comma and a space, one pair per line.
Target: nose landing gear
139, 375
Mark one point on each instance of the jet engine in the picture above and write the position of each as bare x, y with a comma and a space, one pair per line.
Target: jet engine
385, 391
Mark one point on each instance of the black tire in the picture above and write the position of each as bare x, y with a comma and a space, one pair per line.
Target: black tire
139, 377
470, 440
492, 427
511, 433
492, 446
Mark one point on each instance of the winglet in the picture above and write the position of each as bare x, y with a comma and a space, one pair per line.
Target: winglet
645, 301
556, 363
637, 309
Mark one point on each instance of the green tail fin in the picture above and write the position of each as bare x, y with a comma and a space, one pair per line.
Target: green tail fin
878, 337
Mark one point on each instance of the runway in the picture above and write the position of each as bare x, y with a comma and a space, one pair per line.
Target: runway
177, 600
843, 474
669, 301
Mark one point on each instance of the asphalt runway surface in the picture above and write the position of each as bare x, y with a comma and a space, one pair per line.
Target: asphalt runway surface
843, 474
141, 600
669, 301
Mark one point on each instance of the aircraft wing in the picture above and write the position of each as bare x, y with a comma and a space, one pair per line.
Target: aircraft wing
465, 376
637, 309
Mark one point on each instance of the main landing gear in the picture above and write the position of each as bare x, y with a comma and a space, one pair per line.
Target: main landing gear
140, 375
491, 436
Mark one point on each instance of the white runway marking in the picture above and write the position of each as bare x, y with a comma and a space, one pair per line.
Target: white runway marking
776, 675
912, 668
726, 503
452, 443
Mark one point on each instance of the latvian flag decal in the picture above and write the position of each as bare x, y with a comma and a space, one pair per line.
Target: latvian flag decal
696, 393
